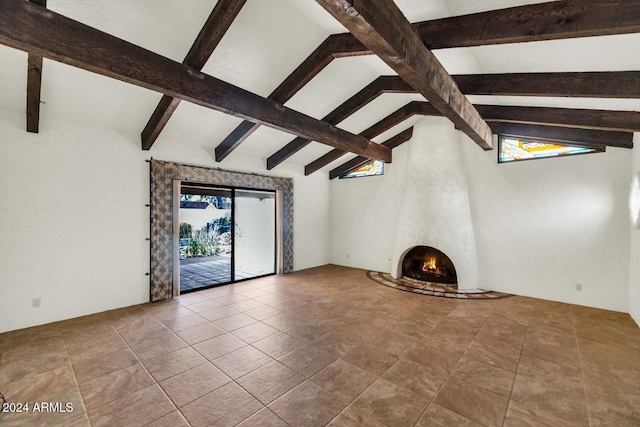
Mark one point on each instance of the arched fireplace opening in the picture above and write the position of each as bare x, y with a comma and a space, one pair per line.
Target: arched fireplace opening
428, 264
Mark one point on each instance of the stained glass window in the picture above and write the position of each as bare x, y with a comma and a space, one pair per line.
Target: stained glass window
514, 149
372, 167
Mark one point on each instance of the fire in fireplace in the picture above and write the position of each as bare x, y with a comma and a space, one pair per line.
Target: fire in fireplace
428, 264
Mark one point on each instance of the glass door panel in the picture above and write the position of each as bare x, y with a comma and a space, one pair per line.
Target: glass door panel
255, 233
205, 237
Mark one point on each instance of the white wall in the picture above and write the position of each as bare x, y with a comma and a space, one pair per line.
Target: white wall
544, 225
634, 270
73, 220
364, 215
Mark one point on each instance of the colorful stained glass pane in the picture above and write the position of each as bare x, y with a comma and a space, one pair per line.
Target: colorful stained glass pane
372, 167
513, 149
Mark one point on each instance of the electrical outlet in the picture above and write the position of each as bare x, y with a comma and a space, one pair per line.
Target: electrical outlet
578, 286
35, 303
348, 256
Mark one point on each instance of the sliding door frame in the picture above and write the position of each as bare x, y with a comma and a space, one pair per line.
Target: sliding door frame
177, 192
162, 177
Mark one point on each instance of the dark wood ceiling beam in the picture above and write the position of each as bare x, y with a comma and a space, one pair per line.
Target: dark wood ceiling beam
383, 84
628, 121
571, 136
350, 106
334, 46
549, 123
323, 161
596, 84
381, 26
398, 116
603, 84
234, 139
553, 20
34, 85
37, 30
217, 24
544, 21
616, 121
358, 161
401, 114
309, 68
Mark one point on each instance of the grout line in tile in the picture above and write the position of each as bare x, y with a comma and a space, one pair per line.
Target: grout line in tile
516, 374
454, 368
149, 373
584, 390
75, 378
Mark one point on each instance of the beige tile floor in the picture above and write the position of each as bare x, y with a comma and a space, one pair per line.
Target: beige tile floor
327, 346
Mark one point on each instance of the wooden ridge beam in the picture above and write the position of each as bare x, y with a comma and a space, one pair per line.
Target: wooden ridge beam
571, 136
34, 85
36, 30
383, 84
381, 26
628, 121
543, 21
217, 24
358, 161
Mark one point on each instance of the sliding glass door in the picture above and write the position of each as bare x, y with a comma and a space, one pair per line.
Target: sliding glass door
225, 235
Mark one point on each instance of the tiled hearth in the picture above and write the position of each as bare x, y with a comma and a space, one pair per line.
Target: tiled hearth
327, 346
408, 284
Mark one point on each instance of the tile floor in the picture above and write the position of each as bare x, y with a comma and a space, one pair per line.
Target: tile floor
327, 346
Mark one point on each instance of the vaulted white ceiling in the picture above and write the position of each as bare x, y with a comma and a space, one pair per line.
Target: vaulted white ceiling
265, 43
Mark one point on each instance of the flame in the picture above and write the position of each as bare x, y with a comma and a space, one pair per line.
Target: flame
429, 264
